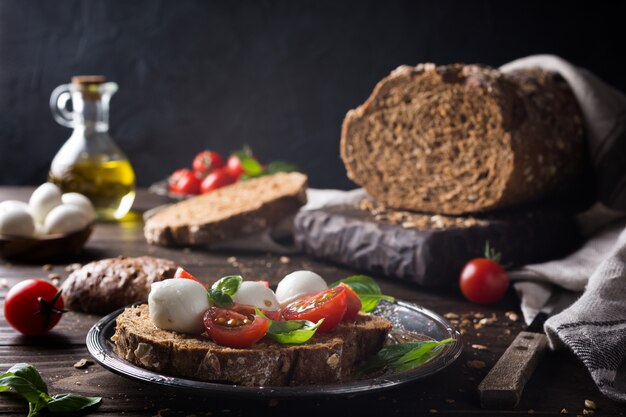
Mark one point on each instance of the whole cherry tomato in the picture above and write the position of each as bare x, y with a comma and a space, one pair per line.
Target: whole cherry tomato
207, 161
183, 181
353, 303
33, 306
234, 167
330, 304
216, 179
483, 281
233, 329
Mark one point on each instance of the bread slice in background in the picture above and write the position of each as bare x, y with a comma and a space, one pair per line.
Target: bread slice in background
233, 211
464, 138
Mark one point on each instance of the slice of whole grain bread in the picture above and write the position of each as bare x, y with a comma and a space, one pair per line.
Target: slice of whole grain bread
240, 209
464, 138
326, 358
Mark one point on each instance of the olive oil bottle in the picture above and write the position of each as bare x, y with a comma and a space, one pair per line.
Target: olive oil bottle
90, 162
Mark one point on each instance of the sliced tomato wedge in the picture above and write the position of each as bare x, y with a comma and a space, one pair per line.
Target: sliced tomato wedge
330, 304
249, 311
183, 273
353, 303
232, 329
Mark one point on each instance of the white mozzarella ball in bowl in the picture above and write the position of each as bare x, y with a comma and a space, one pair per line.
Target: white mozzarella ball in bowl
16, 222
64, 219
46, 197
298, 284
82, 202
255, 294
9, 205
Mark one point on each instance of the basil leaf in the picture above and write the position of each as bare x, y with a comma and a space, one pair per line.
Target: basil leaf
29, 373
404, 356
290, 331
222, 290
23, 387
280, 166
220, 298
228, 285
367, 289
69, 403
250, 165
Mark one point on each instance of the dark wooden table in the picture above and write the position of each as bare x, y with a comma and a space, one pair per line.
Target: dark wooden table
560, 384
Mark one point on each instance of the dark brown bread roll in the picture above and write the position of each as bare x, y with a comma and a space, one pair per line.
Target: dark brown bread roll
104, 286
464, 138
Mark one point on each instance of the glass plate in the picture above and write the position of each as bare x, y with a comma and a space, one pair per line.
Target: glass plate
403, 315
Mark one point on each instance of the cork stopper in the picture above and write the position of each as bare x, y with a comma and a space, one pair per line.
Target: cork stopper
89, 85
83, 80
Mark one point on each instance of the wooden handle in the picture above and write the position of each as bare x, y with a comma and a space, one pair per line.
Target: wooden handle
503, 385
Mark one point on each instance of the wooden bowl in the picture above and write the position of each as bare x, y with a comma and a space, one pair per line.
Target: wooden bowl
44, 248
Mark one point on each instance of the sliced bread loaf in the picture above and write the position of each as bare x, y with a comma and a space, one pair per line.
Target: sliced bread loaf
233, 211
463, 138
326, 358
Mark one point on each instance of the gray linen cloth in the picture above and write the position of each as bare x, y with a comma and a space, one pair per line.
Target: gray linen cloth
594, 326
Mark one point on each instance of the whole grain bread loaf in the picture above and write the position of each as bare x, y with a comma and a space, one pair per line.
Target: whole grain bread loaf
237, 210
464, 138
326, 358
103, 286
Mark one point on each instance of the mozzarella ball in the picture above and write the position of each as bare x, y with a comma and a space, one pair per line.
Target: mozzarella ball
255, 294
64, 219
46, 197
9, 205
178, 304
297, 284
16, 222
81, 202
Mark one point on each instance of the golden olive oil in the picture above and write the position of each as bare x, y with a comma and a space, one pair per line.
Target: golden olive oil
109, 185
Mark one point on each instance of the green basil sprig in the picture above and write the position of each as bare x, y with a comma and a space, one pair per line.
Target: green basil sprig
290, 332
367, 289
403, 356
252, 168
27, 382
221, 291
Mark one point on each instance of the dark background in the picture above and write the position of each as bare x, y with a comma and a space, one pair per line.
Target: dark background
277, 75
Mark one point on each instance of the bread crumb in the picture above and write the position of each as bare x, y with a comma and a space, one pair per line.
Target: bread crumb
588, 412
433, 411
47, 267
284, 260
333, 360
231, 259
451, 316
512, 315
480, 347
83, 363
564, 411
73, 267
4, 283
590, 404
475, 364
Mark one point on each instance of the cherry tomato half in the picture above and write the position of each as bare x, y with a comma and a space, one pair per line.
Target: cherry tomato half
249, 311
330, 304
232, 329
183, 181
207, 161
33, 306
353, 303
483, 281
216, 179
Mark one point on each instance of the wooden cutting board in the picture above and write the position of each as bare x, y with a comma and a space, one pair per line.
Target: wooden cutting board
431, 250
